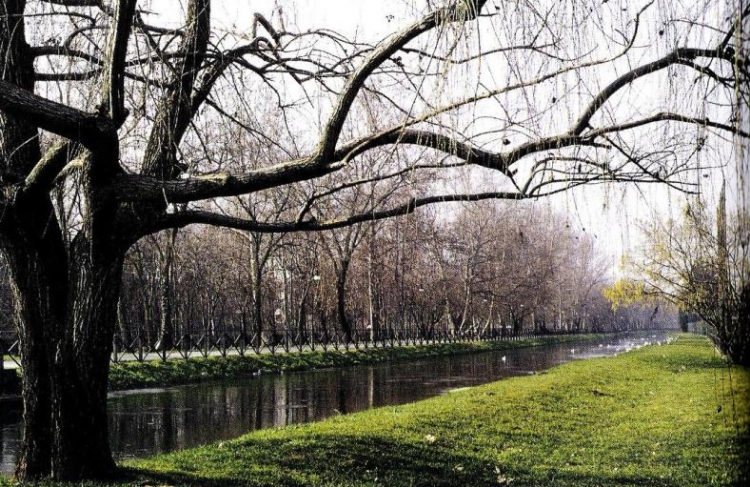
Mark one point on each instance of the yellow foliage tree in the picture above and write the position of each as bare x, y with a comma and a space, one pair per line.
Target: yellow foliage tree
685, 263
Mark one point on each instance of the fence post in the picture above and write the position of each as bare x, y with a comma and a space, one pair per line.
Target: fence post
140, 346
207, 340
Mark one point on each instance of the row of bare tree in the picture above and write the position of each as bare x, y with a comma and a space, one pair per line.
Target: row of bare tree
123, 119
502, 267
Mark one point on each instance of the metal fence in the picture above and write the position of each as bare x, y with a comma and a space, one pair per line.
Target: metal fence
139, 347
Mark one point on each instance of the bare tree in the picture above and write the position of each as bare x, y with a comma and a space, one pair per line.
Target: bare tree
96, 100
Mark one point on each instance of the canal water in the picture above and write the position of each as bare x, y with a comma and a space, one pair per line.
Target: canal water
151, 421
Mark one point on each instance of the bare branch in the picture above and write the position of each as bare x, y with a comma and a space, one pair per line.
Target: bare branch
675, 57
260, 19
191, 217
42, 176
663, 117
352, 184
76, 3
175, 109
462, 10
443, 143
71, 123
143, 188
738, 21
113, 87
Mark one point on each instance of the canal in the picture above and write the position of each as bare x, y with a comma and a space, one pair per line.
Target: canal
147, 422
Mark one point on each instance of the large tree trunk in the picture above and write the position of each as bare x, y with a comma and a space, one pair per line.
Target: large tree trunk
65, 307
38, 307
65, 311
80, 432
32, 249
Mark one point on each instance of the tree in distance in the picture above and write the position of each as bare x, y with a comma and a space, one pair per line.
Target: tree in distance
111, 130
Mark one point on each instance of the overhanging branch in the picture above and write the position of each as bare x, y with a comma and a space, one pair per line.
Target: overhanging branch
664, 117
42, 176
113, 91
459, 11
191, 217
71, 123
675, 57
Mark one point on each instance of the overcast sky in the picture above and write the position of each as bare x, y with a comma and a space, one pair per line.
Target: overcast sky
611, 213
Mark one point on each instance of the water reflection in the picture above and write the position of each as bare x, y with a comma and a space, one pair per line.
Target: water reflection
147, 422
10, 435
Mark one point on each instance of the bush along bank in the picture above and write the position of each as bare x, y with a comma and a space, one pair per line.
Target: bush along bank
139, 375
667, 416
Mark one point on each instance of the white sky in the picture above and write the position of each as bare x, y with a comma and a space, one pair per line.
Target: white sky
610, 213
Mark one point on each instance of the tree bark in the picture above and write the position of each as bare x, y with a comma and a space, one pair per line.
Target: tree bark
37, 313
346, 326
166, 325
66, 313
32, 249
80, 428
256, 271
64, 304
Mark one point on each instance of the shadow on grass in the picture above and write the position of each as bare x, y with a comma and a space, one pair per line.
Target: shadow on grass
359, 461
326, 460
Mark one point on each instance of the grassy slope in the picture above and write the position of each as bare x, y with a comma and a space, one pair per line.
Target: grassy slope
134, 375
649, 417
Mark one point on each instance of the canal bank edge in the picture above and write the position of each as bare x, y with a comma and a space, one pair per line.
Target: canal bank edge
178, 371
669, 415
142, 375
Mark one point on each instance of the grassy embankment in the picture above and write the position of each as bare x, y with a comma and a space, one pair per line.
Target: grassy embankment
134, 375
668, 415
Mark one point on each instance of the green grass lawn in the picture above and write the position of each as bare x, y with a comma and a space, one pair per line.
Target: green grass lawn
669, 415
